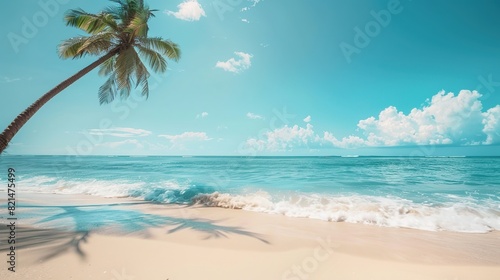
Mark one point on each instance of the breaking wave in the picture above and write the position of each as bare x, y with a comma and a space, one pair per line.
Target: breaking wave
459, 215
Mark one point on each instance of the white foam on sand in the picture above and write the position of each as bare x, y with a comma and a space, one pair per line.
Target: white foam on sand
381, 211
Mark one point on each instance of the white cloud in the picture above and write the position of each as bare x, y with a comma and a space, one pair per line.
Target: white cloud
283, 139
253, 116
346, 142
202, 115
491, 124
445, 119
120, 132
236, 66
180, 140
5, 80
189, 10
288, 138
245, 20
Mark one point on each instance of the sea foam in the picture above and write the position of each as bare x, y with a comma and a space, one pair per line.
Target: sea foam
381, 211
458, 215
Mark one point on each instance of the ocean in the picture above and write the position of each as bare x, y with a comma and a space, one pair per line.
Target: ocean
460, 194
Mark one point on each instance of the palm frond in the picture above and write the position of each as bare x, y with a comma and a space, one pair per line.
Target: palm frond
90, 23
141, 75
155, 59
70, 48
138, 26
145, 88
107, 91
98, 44
114, 11
124, 93
124, 67
107, 67
127, 9
165, 47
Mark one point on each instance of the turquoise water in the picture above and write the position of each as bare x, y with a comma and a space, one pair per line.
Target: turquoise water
453, 194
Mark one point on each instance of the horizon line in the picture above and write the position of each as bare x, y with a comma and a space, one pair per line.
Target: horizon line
263, 156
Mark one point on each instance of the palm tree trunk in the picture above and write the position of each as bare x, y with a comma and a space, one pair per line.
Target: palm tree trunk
22, 118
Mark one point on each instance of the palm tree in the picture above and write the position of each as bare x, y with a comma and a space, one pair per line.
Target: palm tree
120, 35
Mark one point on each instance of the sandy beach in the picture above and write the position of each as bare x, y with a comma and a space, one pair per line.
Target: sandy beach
137, 240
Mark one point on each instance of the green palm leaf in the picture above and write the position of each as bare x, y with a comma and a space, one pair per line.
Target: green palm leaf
138, 25
107, 67
98, 44
70, 48
165, 47
155, 59
107, 91
90, 23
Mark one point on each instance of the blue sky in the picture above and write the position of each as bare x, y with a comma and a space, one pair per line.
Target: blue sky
270, 77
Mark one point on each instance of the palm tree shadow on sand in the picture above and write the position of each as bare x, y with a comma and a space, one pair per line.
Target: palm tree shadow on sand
66, 228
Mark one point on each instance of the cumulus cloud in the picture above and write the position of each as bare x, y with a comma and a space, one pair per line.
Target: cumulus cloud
445, 119
245, 20
202, 115
283, 139
346, 142
120, 132
189, 10
236, 65
491, 122
253, 116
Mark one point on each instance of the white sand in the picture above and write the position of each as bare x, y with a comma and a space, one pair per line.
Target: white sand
176, 243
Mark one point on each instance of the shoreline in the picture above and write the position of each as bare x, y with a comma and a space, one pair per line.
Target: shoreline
160, 241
